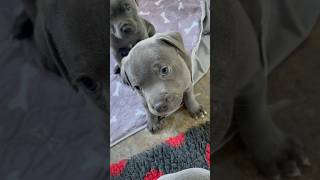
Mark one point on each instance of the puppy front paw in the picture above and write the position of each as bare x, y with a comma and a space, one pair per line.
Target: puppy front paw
154, 124
285, 159
198, 112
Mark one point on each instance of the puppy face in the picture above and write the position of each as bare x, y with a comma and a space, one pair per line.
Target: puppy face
76, 34
123, 18
156, 69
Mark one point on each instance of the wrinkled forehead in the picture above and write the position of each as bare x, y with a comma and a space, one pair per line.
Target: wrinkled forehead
117, 5
146, 57
153, 52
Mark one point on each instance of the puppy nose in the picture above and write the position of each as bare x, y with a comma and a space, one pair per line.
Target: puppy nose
160, 107
126, 28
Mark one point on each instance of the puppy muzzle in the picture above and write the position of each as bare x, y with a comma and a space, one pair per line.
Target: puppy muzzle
166, 105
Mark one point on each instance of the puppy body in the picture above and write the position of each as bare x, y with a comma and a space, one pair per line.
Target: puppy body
160, 71
72, 39
126, 28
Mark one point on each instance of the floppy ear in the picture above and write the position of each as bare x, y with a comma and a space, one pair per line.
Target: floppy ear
150, 28
123, 72
175, 39
57, 59
136, 1
172, 38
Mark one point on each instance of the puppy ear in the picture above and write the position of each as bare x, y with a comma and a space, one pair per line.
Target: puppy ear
172, 38
57, 59
175, 39
136, 1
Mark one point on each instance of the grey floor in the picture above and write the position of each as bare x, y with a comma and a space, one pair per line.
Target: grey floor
178, 122
294, 97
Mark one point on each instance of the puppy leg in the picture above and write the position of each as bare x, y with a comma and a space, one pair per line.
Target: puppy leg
116, 69
274, 152
119, 54
196, 110
153, 121
118, 57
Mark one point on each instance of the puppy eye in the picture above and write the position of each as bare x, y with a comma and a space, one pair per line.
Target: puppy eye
137, 88
164, 70
89, 83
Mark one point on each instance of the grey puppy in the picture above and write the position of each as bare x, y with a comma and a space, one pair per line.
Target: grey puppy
71, 36
126, 28
159, 69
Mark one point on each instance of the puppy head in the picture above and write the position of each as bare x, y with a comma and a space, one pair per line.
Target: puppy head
156, 68
76, 35
124, 18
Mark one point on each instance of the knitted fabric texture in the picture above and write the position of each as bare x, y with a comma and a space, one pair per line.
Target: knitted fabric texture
186, 150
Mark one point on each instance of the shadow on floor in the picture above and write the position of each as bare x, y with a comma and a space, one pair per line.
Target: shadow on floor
294, 96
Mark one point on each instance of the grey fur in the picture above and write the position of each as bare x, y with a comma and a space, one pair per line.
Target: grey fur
126, 28
160, 71
188, 174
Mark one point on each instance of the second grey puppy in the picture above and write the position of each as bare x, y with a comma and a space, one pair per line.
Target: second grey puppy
126, 28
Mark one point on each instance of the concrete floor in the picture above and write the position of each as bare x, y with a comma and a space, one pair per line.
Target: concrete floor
180, 121
294, 96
